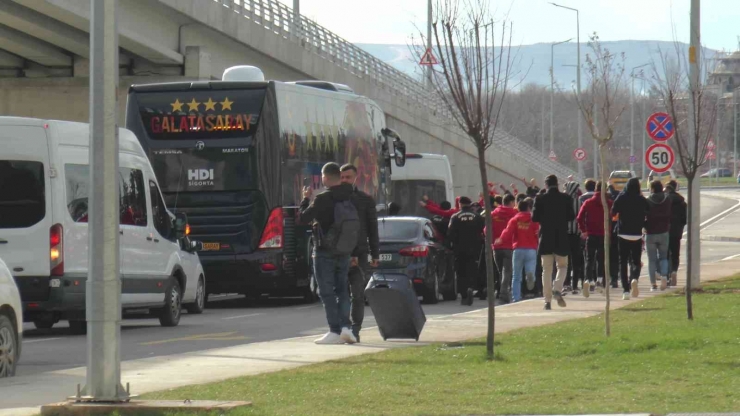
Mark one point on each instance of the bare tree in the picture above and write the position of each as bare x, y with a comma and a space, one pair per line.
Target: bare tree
683, 101
472, 81
602, 107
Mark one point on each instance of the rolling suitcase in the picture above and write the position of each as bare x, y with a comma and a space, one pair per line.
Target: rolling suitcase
395, 305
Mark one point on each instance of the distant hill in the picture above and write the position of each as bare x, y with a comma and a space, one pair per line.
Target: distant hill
533, 61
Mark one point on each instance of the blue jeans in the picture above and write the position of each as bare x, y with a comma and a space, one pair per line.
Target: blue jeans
333, 284
657, 252
524, 258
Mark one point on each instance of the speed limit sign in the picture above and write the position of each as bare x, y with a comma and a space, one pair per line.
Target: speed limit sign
659, 157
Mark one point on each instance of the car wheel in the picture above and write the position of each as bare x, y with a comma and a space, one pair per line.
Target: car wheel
431, 293
170, 314
199, 305
78, 327
8, 347
43, 323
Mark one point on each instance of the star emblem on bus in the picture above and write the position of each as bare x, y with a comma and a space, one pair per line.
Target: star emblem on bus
210, 104
193, 105
177, 105
226, 104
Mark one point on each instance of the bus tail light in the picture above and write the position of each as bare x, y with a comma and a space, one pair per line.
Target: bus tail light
272, 236
415, 251
56, 250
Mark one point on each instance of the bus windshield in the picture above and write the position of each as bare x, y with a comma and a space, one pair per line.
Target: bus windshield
201, 140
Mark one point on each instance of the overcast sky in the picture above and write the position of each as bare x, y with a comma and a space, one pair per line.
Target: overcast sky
535, 21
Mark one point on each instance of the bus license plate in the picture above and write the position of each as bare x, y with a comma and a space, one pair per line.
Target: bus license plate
386, 257
211, 246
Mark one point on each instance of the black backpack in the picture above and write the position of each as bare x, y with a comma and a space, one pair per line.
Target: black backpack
343, 236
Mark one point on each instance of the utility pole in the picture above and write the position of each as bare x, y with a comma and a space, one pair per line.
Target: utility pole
632, 118
103, 289
297, 18
734, 126
552, 92
695, 57
542, 129
596, 145
578, 81
429, 42
644, 132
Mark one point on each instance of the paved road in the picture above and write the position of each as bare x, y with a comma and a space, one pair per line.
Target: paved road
231, 320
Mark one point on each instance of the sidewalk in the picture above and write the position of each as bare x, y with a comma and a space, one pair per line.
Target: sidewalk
167, 372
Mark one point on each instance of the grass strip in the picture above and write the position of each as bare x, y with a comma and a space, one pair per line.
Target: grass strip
656, 361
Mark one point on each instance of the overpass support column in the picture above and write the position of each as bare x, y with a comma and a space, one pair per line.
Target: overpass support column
197, 63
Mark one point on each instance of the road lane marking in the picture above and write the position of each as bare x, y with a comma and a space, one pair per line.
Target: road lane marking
242, 316
31, 341
220, 336
307, 307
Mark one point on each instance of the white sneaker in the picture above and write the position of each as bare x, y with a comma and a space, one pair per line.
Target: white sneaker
626, 296
663, 282
653, 288
635, 291
329, 338
347, 336
586, 289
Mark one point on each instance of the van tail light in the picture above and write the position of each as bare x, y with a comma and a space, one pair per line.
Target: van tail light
415, 251
272, 236
56, 250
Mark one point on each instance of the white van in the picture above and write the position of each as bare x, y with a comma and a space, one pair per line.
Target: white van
424, 174
44, 188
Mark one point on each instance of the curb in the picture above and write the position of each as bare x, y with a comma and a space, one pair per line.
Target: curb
720, 238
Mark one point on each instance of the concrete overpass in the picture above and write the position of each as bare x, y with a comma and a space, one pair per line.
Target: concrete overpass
44, 62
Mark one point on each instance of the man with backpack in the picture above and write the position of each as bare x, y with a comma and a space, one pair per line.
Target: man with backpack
368, 244
678, 222
336, 231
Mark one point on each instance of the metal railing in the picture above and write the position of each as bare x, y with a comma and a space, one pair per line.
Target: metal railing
280, 19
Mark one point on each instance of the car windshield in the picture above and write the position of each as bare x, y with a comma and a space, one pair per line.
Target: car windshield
621, 175
397, 230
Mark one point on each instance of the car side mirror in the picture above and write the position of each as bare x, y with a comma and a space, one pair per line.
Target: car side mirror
399, 148
399, 152
182, 229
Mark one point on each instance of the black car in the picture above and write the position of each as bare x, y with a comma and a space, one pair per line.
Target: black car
412, 246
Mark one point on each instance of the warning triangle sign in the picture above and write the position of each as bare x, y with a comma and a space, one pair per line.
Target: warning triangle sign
428, 58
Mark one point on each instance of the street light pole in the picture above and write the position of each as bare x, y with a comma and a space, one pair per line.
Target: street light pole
632, 117
429, 41
694, 249
103, 288
578, 81
734, 126
552, 92
644, 132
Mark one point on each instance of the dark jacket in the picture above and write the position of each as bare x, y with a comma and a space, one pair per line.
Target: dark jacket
466, 231
573, 190
321, 211
631, 208
553, 210
532, 191
658, 219
591, 215
678, 212
368, 216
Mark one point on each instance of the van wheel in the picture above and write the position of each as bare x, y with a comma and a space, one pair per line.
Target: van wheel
8, 347
43, 323
78, 327
170, 314
200, 298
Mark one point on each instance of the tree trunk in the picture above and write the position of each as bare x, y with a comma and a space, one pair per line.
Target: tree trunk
689, 248
607, 239
489, 253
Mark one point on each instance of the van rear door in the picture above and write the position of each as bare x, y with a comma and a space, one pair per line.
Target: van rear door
25, 208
